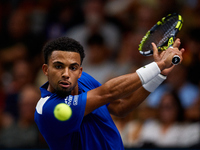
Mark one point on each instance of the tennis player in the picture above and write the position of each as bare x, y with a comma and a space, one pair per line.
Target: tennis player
91, 126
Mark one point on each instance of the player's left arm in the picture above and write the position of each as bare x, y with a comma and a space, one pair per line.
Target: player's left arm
122, 107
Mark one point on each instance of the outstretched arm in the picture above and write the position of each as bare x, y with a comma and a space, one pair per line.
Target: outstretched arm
122, 107
126, 86
114, 89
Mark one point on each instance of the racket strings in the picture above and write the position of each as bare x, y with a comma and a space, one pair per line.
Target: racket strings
165, 31
168, 30
161, 34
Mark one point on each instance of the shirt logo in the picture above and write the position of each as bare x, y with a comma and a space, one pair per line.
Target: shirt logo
72, 100
75, 102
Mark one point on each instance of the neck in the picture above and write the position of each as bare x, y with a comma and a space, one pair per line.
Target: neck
75, 91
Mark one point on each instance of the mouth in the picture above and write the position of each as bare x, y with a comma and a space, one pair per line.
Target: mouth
64, 84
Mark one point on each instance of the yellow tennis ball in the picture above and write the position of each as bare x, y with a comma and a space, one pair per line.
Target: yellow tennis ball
62, 112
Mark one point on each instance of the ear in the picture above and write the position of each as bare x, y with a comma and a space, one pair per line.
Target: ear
45, 69
80, 73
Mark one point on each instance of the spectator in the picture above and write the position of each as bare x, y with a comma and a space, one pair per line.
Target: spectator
22, 133
166, 131
187, 91
169, 130
193, 55
128, 58
17, 42
131, 134
98, 64
21, 75
192, 114
62, 16
2, 92
95, 22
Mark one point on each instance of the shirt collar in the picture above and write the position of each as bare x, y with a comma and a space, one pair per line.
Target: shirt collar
44, 91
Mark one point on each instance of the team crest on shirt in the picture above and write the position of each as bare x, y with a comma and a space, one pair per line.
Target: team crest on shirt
72, 100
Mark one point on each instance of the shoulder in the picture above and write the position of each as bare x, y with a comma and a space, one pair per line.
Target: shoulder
44, 113
40, 104
48, 103
86, 76
88, 80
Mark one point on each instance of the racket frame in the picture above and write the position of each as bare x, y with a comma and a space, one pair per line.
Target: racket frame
170, 40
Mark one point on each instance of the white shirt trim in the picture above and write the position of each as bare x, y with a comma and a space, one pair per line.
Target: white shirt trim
40, 104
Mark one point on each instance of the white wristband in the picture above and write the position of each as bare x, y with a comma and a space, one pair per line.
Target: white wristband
154, 83
148, 72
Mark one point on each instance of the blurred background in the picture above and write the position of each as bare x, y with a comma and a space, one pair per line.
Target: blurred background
110, 31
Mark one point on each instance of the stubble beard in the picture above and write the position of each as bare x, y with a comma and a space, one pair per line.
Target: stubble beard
62, 92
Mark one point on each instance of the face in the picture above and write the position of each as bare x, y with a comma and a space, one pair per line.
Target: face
168, 109
63, 71
29, 97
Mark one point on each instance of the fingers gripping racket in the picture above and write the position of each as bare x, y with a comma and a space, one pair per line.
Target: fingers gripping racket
162, 34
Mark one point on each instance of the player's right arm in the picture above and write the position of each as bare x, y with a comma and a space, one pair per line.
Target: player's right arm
112, 90
123, 86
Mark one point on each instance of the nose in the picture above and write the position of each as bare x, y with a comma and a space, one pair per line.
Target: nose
65, 73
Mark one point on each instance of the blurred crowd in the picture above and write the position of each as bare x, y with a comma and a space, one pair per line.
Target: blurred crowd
110, 31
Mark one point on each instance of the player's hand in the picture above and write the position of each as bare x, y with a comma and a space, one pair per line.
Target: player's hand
164, 58
176, 44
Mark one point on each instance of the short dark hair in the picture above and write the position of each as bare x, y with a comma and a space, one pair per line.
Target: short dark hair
62, 44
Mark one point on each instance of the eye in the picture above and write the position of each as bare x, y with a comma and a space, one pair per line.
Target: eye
58, 66
73, 68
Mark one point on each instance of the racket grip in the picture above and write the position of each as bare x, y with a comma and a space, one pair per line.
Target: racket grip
176, 59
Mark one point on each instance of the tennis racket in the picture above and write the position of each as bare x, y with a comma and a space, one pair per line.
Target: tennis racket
162, 34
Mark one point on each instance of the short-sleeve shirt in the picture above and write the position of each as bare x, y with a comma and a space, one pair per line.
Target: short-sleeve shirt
95, 131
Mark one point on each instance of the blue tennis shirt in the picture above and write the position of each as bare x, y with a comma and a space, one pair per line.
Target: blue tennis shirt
95, 131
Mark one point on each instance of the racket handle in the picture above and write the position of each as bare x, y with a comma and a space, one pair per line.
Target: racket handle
176, 59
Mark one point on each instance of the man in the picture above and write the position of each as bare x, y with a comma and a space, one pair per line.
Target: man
90, 126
